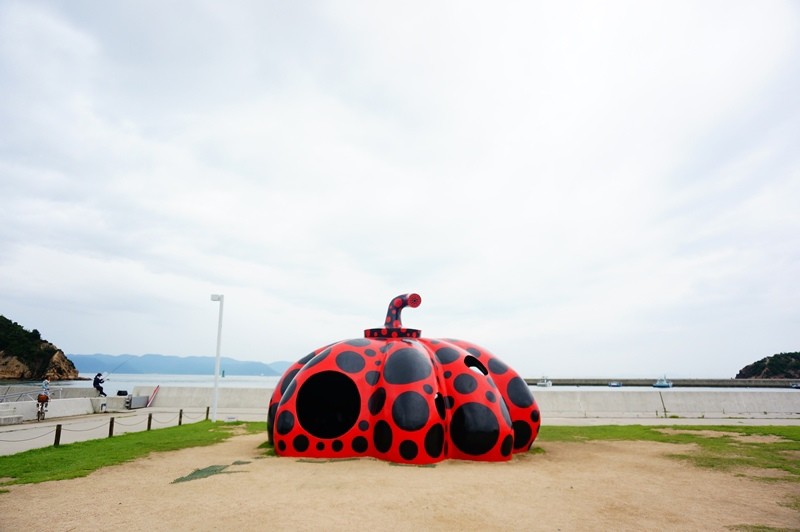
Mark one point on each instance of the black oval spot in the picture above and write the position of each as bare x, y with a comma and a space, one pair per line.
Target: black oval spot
519, 393
446, 355
497, 367
474, 429
408, 450
376, 401
350, 362
372, 377
535, 416
504, 411
360, 444
282, 445
363, 425
448, 374
434, 441
410, 411
287, 380
490, 396
449, 401
438, 401
318, 358
300, 443
474, 352
428, 388
320, 446
273, 409
369, 352
382, 437
358, 342
289, 392
522, 434
465, 383
407, 365
303, 361
337, 445
285, 423
505, 447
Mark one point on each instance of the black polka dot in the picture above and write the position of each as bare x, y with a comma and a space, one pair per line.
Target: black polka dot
303, 361
285, 423
337, 445
407, 365
504, 411
474, 352
490, 396
465, 383
434, 441
369, 352
300, 443
358, 342
408, 450
448, 374
289, 392
350, 362
372, 377
446, 355
382, 437
319, 358
535, 416
363, 425
449, 401
519, 393
505, 447
410, 411
376, 401
287, 379
438, 400
522, 434
282, 445
320, 446
497, 367
360, 444
474, 429
428, 388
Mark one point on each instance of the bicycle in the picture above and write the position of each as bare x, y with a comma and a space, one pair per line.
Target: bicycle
41, 408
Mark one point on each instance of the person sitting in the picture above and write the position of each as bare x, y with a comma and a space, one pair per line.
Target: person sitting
44, 395
98, 381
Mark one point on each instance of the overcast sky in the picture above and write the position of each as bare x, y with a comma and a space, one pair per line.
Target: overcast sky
605, 189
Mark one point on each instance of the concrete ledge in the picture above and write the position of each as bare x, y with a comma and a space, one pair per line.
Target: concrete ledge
196, 397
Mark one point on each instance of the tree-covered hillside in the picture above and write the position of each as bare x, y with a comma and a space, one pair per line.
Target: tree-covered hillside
780, 366
27, 346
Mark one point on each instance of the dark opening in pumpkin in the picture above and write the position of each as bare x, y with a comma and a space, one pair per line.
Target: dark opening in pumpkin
328, 404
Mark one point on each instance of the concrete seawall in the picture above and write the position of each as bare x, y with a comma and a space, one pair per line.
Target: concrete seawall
555, 403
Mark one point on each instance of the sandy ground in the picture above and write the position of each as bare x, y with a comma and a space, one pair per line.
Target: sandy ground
571, 486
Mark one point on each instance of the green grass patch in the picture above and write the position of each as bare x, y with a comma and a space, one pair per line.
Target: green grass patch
81, 458
716, 447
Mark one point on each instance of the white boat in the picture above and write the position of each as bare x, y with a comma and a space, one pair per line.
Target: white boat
662, 383
544, 382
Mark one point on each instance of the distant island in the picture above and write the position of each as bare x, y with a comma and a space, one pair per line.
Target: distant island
172, 365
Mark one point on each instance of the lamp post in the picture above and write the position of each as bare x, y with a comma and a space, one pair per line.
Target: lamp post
221, 299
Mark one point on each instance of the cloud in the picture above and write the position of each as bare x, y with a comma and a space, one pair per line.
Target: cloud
583, 189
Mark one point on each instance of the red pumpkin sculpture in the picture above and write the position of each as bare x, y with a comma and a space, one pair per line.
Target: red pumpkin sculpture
395, 396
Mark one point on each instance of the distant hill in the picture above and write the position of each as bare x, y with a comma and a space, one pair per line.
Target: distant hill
780, 366
168, 365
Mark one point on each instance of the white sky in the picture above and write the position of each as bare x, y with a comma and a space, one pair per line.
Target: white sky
585, 189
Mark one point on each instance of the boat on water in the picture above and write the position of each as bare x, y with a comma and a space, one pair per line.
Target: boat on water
662, 383
545, 382
614, 384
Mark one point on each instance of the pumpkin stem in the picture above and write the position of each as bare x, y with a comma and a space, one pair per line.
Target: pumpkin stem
393, 325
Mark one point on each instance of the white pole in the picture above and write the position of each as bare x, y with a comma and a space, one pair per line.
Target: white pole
221, 299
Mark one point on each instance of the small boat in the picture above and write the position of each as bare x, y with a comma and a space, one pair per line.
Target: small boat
795, 385
615, 384
544, 382
662, 383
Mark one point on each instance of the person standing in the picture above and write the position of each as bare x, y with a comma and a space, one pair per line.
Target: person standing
98, 384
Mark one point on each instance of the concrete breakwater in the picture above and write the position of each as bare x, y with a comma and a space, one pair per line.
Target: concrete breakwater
554, 403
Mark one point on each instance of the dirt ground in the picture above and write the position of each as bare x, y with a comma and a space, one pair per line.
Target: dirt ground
570, 486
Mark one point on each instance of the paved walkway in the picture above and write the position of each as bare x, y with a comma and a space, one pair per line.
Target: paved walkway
37, 434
